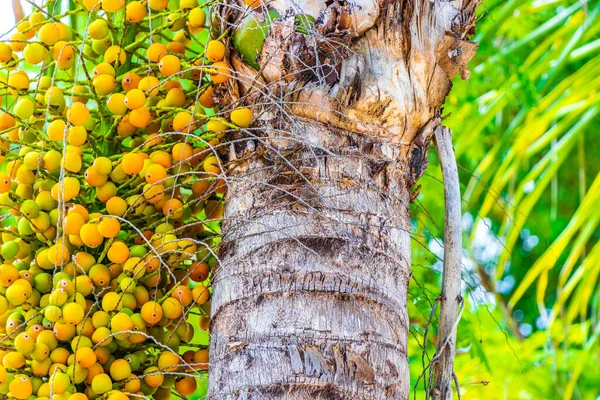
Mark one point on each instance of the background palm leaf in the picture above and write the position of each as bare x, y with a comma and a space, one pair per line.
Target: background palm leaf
525, 128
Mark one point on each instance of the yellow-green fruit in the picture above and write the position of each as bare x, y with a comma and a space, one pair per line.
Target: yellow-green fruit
100, 318
24, 108
24, 343
77, 373
98, 29
101, 384
47, 337
59, 382
34, 53
53, 313
10, 249
81, 341
120, 370
102, 336
40, 352
59, 297
16, 295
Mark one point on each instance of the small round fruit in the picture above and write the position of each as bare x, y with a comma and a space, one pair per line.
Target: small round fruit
73, 313
109, 227
152, 312
215, 50
101, 384
169, 65
132, 163
120, 370
242, 117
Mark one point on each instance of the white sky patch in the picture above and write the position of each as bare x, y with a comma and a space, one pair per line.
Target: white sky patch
7, 16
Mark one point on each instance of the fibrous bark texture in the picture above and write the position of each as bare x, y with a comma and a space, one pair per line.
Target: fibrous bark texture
310, 294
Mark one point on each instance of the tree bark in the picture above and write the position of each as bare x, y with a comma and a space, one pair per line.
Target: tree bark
309, 298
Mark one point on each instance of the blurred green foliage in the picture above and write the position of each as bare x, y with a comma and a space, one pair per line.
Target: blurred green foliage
525, 130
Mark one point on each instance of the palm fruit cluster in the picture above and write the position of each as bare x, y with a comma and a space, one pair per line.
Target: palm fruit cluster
110, 194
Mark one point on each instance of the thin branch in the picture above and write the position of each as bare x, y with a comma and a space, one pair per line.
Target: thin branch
443, 367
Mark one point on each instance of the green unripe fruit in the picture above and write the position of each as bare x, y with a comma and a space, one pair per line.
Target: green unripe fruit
24, 227
60, 276
146, 389
34, 298
137, 251
10, 249
32, 317
173, 341
98, 29
249, 38
30, 209
28, 135
129, 303
168, 382
36, 383
47, 324
6, 201
134, 361
125, 310
158, 333
100, 46
42, 282
113, 346
89, 51
124, 343
53, 216
4, 386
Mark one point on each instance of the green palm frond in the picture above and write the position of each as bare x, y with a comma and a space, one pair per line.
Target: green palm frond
528, 133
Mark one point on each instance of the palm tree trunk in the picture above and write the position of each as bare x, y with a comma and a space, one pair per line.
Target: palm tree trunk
310, 295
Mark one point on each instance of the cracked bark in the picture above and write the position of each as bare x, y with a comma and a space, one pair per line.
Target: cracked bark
310, 297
